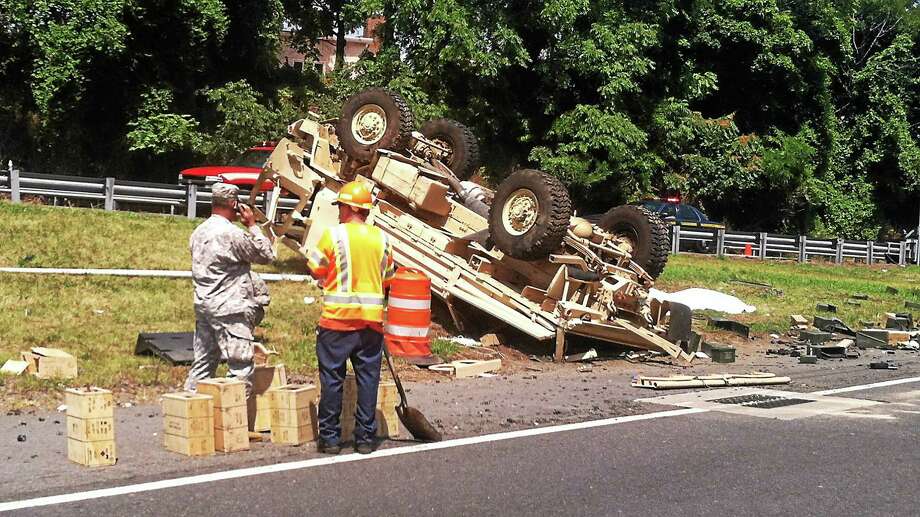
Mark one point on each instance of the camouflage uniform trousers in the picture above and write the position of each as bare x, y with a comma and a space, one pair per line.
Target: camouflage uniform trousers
229, 336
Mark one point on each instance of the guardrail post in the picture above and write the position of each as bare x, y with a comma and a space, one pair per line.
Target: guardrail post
838, 259
870, 250
109, 194
14, 185
720, 242
803, 243
266, 200
191, 201
902, 253
762, 242
675, 239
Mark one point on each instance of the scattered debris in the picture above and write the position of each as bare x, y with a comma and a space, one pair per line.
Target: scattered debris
731, 325
891, 290
827, 351
704, 299
798, 321
882, 365
900, 321
808, 359
911, 305
21, 438
859, 296
309, 300
46, 363
491, 340
833, 325
467, 367
872, 338
584, 369
702, 381
173, 347
14, 367
700, 355
719, 353
587, 356
826, 307
464, 341
815, 337
910, 345
853, 302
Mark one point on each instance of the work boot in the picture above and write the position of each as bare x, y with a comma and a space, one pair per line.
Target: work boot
365, 447
327, 448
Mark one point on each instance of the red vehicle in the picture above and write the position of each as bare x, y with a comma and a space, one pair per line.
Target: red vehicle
242, 171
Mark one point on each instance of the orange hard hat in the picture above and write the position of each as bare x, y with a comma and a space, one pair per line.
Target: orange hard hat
356, 194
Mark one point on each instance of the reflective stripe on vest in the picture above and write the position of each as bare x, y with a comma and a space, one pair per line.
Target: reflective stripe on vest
354, 283
353, 299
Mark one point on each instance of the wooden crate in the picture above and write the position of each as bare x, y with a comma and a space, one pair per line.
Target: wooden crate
230, 417
185, 404
282, 417
89, 403
49, 363
225, 391
264, 379
293, 435
231, 440
197, 446
387, 400
91, 454
91, 429
293, 396
189, 427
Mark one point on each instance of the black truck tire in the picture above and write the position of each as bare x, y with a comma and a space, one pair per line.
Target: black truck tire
464, 158
373, 119
530, 214
647, 232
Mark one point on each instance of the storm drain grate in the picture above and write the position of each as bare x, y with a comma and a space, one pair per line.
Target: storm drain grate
761, 401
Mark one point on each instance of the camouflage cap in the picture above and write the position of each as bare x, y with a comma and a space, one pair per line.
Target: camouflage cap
225, 191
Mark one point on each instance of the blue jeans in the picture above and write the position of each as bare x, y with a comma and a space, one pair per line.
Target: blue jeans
365, 349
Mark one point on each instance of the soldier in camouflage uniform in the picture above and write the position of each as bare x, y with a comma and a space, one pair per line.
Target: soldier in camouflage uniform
229, 297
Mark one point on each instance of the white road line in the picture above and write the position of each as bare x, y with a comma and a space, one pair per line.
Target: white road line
882, 384
396, 451
330, 460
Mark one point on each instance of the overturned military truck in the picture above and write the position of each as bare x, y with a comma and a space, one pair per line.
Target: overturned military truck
516, 254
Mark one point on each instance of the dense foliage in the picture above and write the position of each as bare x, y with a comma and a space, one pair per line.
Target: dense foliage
787, 115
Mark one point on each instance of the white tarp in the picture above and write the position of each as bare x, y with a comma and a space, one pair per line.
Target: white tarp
702, 299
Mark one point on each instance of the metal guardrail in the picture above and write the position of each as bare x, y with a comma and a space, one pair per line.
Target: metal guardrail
111, 191
762, 245
720, 242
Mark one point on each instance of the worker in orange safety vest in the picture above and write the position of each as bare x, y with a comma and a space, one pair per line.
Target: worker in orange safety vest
353, 261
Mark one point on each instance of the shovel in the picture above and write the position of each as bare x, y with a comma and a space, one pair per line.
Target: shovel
412, 419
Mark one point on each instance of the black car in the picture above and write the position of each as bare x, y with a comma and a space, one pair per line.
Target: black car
678, 213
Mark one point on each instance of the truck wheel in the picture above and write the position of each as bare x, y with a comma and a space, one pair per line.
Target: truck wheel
374, 119
463, 145
530, 214
645, 231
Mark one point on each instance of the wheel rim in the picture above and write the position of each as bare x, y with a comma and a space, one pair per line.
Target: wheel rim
369, 124
629, 235
519, 214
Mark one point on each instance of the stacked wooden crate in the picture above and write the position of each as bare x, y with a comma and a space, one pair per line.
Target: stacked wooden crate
387, 400
90, 426
292, 414
265, 378
188, 423
231, 429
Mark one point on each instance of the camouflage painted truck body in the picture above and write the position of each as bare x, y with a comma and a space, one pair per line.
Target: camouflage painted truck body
588, 286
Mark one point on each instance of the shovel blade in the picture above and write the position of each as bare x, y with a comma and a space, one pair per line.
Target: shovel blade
417, 424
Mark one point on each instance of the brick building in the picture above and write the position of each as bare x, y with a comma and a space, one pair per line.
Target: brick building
356, 43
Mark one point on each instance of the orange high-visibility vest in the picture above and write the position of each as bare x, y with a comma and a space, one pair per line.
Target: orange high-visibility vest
356, 262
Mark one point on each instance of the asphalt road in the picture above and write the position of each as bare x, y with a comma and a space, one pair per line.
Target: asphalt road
712, 463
